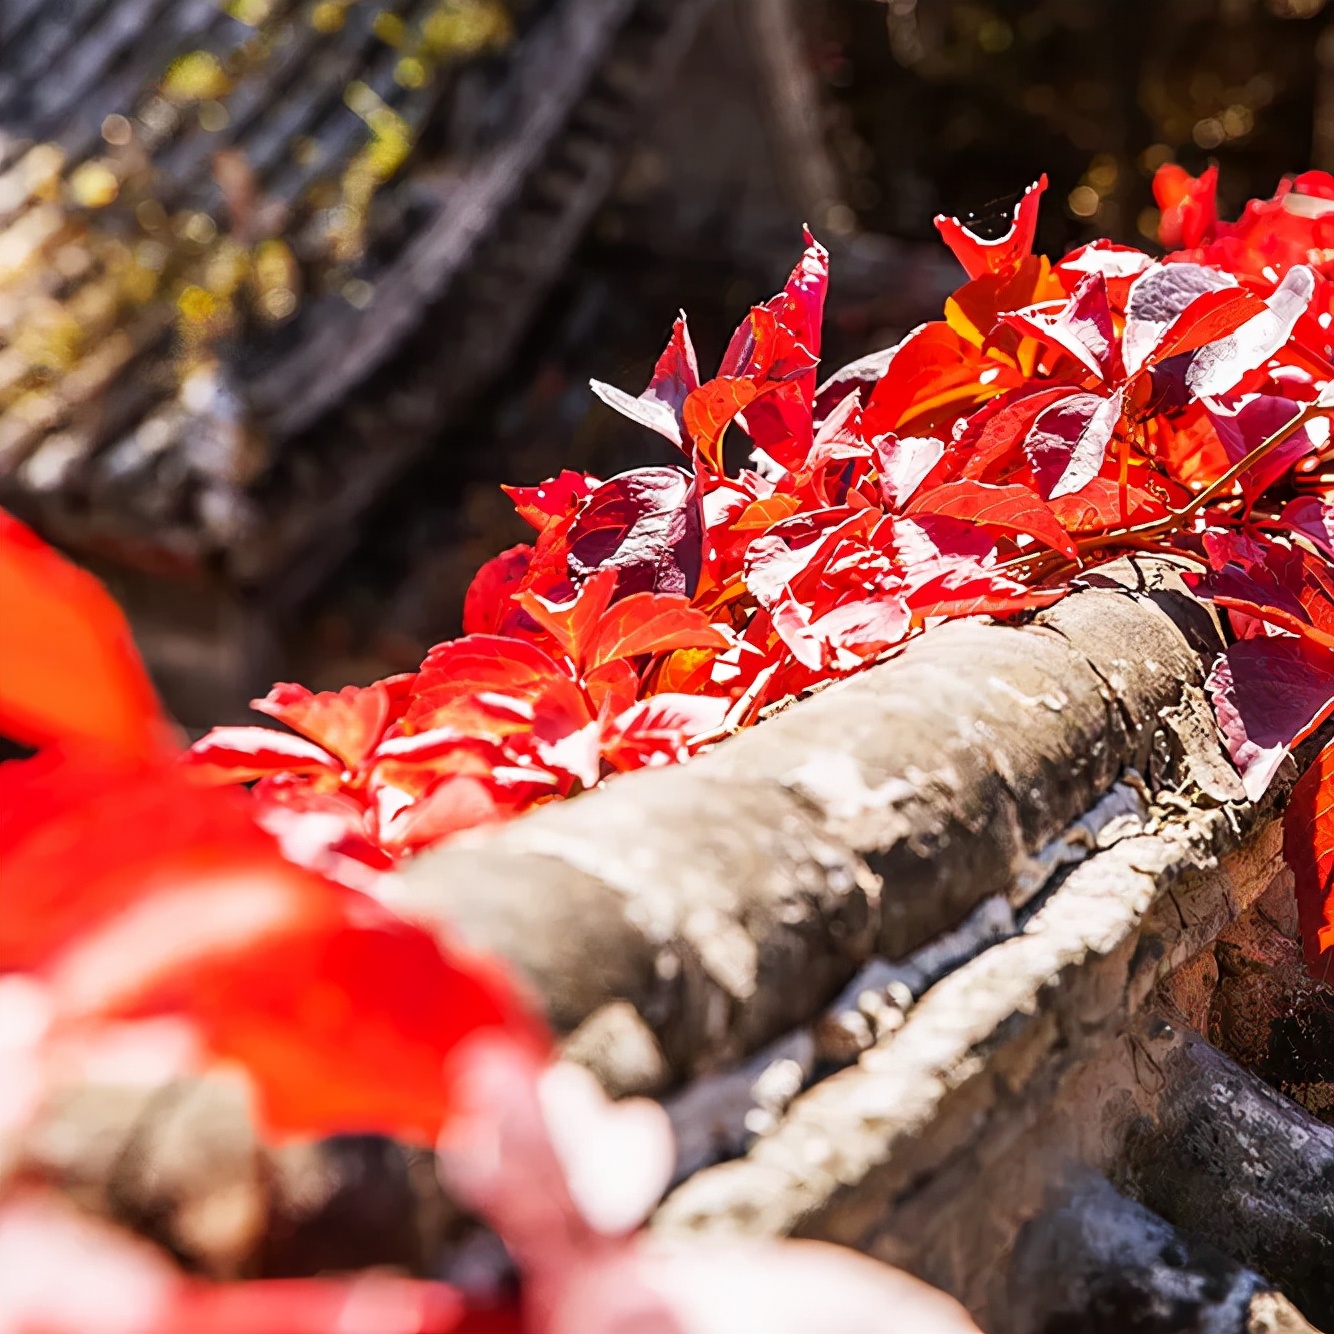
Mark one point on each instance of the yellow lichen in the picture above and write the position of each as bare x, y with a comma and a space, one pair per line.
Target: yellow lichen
455, 29
276, 278
389, 146
328, 16
196, 77
94, 184
250, 12
390, 29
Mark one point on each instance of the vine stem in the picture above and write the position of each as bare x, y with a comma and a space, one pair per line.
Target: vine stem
1144, 535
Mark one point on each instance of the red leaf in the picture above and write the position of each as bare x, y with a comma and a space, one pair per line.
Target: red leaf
804, 542
995, 433
488, 605
1220, 366
138, 895
68, 667
1158, 298
932, 366
963, 588
242, 754
1268, 694
457, 803
651, 623
573, 624
1312, 518
904, 464
711, 409
1082, 328
1243, 422
1068, 442
1098, 505
1012, 509
1119, 265
1210, 317
551, 499
348, 723
842, 639
1003, 254
483, 685
659, 730
780, 340
613, 686
660, 406
1189, 211
1308, 848
1289, 588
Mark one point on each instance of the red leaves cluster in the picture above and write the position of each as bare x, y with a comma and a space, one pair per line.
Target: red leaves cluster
1059, 414
130, 894
491, 723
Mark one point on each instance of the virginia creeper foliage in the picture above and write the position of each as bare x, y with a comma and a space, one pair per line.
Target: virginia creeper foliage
1061, 414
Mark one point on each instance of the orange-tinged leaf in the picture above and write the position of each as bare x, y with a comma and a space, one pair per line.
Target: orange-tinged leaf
552, 499
465, 684
69, 670
686, 671
242, 754
612, 687
711, 409
652, 623
1015, 510
488, 606
1308, 848
348, 723
1098, 506
573, 624
1188, 204
973, 310
136, 895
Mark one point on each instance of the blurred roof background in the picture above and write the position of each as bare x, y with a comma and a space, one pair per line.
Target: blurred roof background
287, 288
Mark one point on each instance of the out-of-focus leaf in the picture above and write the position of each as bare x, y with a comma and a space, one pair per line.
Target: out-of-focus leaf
69, 670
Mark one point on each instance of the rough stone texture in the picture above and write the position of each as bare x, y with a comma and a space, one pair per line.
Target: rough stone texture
728, 901
1037, 1056
1056, 789
1097, 1263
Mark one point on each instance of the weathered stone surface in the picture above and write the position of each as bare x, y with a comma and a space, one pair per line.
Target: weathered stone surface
1038, 1056
728, 901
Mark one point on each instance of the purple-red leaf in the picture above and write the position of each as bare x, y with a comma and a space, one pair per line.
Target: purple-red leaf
1313, 518
646, 525
1067, 444
1268, 694
661, 406
651, 623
